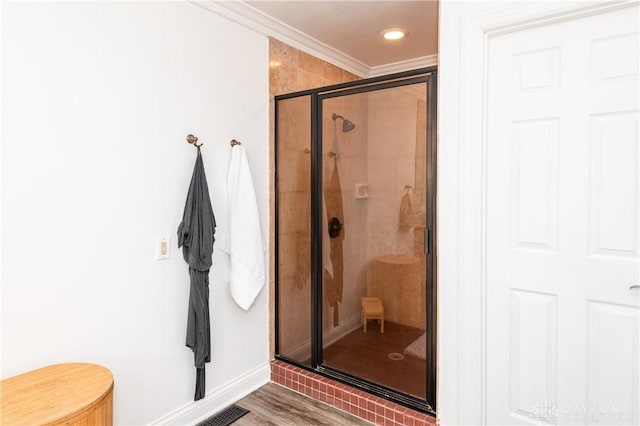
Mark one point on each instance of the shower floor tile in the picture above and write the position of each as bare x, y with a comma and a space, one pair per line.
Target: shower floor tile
367, 356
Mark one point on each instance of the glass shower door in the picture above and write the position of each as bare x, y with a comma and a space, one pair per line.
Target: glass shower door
293, 228
374, 216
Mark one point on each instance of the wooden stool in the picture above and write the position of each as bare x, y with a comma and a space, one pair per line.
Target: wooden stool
63, 394
372, 308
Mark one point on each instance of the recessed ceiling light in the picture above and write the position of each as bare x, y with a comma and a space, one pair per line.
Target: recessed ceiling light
394, 33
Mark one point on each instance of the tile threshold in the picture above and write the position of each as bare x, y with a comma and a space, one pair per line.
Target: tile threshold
346, 398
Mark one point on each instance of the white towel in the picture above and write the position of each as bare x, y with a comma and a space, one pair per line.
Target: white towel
243, 241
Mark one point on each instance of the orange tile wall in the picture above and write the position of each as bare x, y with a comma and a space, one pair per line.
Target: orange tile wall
291, 70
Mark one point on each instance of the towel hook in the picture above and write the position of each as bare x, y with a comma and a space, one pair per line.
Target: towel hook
193, 140
235, 142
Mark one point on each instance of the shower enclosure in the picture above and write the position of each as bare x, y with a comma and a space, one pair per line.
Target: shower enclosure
355, 244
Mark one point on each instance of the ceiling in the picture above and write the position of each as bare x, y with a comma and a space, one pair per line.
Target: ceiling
353, 27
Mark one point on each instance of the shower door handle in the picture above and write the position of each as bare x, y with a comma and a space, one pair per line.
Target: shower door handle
427, 242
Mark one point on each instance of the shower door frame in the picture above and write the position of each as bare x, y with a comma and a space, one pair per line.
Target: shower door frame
423, 75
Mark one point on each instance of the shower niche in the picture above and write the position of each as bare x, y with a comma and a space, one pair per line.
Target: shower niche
355, 218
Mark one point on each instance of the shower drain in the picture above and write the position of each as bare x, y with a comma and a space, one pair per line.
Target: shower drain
396, 356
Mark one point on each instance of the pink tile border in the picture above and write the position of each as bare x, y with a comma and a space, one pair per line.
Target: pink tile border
343, 397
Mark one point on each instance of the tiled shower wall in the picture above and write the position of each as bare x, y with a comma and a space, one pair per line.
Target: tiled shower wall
397, 147
292, 70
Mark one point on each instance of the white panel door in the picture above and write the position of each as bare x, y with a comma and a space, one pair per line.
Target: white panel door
563, 190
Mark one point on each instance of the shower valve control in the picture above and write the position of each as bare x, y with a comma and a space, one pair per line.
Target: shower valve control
334, 227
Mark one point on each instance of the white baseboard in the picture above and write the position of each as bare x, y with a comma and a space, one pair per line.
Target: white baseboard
218, 399
330, 337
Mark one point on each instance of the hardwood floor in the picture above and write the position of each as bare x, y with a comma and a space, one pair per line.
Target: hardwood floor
274, 405
367, 356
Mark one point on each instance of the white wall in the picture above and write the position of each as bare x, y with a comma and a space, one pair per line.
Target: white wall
97, 101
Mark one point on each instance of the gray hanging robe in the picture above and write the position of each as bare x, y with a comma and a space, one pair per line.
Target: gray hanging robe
196, 237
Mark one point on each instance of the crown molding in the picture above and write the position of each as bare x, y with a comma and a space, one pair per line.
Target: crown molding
407, 65
256, 20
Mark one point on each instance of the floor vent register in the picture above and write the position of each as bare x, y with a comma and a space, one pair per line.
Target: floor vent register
225, 417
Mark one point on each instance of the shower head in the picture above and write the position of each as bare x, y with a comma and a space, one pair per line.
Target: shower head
347, 125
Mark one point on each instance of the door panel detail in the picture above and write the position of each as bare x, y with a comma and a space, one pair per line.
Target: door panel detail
533, 352
534, 180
